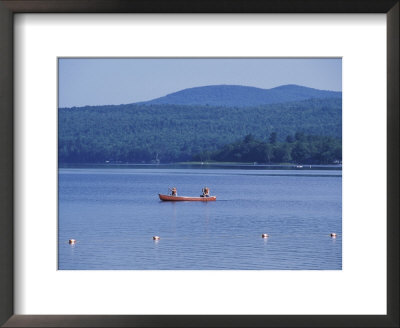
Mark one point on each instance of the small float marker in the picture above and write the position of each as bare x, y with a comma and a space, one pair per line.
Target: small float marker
71, 241
264, 235
333, 235
156, 238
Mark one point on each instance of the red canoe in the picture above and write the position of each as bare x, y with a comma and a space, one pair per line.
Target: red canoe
183, 198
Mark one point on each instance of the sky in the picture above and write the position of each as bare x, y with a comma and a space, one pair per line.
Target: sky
114, 81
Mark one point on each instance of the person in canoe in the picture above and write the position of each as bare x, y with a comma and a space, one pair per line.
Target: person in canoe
174, 191
206, 192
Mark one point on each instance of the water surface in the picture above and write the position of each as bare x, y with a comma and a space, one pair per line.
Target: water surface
113, 213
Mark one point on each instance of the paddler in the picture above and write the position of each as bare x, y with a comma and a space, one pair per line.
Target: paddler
174, 191
206, 192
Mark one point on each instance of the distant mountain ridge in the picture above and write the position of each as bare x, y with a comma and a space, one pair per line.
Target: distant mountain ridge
241, 96
202, 120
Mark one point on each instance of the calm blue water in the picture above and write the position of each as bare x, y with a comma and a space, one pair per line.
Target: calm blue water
113, 213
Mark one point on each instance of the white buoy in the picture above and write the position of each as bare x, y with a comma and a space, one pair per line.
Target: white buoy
264, 235
72, 241
333, 235
156, 238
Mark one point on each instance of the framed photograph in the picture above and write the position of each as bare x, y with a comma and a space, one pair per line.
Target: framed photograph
197, 164
205, 152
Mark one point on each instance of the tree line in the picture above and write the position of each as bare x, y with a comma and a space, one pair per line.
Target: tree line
175, 133
298, 148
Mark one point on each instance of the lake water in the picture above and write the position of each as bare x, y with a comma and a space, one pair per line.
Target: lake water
113, 213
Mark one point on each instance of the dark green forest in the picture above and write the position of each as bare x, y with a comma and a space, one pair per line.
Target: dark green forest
297, 148
143, 133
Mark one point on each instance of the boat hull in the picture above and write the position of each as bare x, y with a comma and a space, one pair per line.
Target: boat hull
183, 198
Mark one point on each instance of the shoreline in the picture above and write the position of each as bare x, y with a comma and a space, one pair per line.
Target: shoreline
207, 165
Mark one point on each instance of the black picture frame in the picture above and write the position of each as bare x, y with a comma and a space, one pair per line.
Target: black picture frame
10, 7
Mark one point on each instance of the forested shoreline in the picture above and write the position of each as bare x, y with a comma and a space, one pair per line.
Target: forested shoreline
298, 148
138, 133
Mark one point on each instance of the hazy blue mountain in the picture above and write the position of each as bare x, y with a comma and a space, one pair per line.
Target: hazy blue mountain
241, 96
